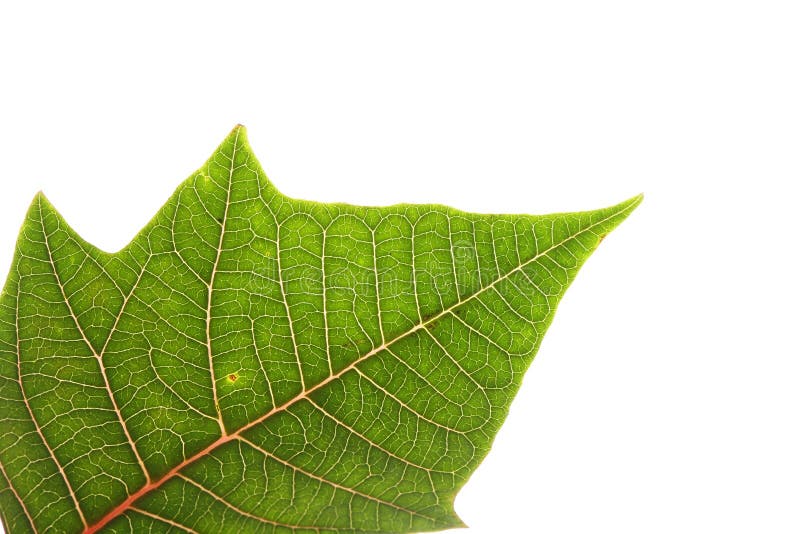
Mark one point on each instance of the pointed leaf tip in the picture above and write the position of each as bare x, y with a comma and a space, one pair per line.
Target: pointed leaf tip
626, 207
39, 200
632, 202
236, 137
239, 130
616, 214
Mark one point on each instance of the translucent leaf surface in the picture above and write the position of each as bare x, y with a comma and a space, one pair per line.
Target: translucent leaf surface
255, 363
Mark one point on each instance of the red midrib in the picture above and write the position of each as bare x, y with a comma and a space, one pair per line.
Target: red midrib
147, 488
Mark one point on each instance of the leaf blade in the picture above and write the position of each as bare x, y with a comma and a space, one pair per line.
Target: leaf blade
367, 355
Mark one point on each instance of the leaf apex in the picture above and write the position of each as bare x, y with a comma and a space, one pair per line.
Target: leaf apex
239, 130
236, 137
40, 200
632, 202
625, 208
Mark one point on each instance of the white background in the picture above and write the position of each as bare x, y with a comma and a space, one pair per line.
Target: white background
665, 397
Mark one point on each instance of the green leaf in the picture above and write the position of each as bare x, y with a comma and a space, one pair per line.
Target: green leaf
255, 363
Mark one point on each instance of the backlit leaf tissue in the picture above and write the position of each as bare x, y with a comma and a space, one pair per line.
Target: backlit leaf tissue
253, 363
